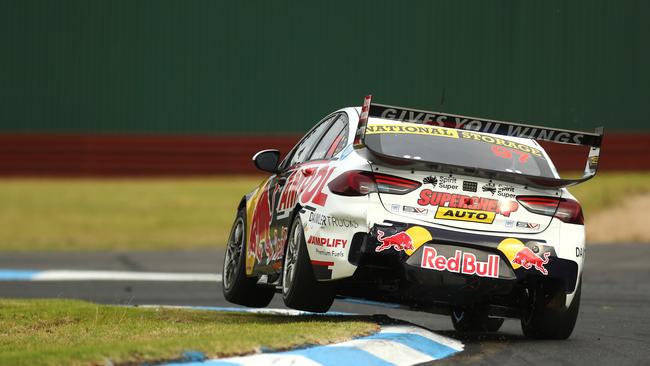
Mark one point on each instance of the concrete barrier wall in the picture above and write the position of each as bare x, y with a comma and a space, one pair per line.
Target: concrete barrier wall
152, 155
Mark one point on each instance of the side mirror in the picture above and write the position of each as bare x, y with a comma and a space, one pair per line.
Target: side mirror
267, 160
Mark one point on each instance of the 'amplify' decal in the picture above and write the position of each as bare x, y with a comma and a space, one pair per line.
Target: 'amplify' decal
327, 242
442, 199
461, 262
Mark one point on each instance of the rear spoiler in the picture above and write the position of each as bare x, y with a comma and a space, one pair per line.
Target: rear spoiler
555, 135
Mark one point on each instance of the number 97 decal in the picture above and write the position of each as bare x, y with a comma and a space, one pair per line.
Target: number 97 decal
505, 153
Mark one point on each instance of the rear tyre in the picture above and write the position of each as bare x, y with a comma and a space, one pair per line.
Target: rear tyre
465, 320
547, 316
237, 287
300, 289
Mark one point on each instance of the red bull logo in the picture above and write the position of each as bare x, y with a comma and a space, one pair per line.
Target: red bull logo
528, 259
408, 241
400, 241
461, 262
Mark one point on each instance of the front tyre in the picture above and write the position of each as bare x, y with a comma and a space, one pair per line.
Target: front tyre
300, 289
237, 288
465, 320
547, 316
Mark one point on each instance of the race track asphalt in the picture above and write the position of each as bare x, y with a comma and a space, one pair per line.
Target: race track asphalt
613, 327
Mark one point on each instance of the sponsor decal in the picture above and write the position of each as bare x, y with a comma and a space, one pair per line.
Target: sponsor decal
500, 190
400, 241
461, 262
469, 186
489, 187
527, 225
305, 184
528, 259
408, 241
415, 210
515, 146
262, 242
510, 223
327, 242
505, 153
329, 252
483, 204
325, 220
593, 162
411, 129
430, 180
459, 214
481, 125
447, 183
580, 252
505, 191
520, 256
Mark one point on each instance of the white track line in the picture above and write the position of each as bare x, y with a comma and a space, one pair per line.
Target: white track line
72, 275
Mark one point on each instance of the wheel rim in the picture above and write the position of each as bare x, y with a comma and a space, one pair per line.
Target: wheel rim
233, 253
290, 259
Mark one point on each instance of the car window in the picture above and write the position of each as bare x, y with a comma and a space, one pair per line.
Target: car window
331, 139
453, 147
304, 148
340, 142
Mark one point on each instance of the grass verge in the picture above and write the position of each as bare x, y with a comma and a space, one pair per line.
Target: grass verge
608, 190
71, 332
118, 214
142, 214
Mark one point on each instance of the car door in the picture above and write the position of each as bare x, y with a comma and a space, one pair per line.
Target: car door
303, 179
273, 205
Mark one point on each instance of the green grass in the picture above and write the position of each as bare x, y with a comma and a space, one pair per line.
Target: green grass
141, 214
123, 214
71, 332
610, 189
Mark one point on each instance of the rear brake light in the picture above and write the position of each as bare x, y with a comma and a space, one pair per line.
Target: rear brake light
570, 211
360, 183
566, 210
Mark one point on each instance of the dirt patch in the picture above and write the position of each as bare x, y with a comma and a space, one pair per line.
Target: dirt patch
626, 223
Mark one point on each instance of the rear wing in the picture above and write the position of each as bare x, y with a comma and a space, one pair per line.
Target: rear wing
561, 136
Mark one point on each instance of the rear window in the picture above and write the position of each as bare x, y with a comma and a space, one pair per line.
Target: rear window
456, 147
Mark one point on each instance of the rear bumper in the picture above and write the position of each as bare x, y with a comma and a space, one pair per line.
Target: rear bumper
424, 266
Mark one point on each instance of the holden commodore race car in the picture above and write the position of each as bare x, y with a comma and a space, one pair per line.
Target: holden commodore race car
448, 214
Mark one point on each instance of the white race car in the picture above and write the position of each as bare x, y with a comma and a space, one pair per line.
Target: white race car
442, 213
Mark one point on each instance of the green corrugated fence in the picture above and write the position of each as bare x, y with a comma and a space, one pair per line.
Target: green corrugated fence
265, 66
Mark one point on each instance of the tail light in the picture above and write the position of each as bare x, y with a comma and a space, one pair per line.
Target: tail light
566, 210
360, 183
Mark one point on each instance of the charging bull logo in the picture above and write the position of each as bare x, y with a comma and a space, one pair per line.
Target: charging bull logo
527, 259
407, 241
400, 241
260, 225
262, 243
520, 255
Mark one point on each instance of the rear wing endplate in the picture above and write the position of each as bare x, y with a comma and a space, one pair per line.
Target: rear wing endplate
475, 124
